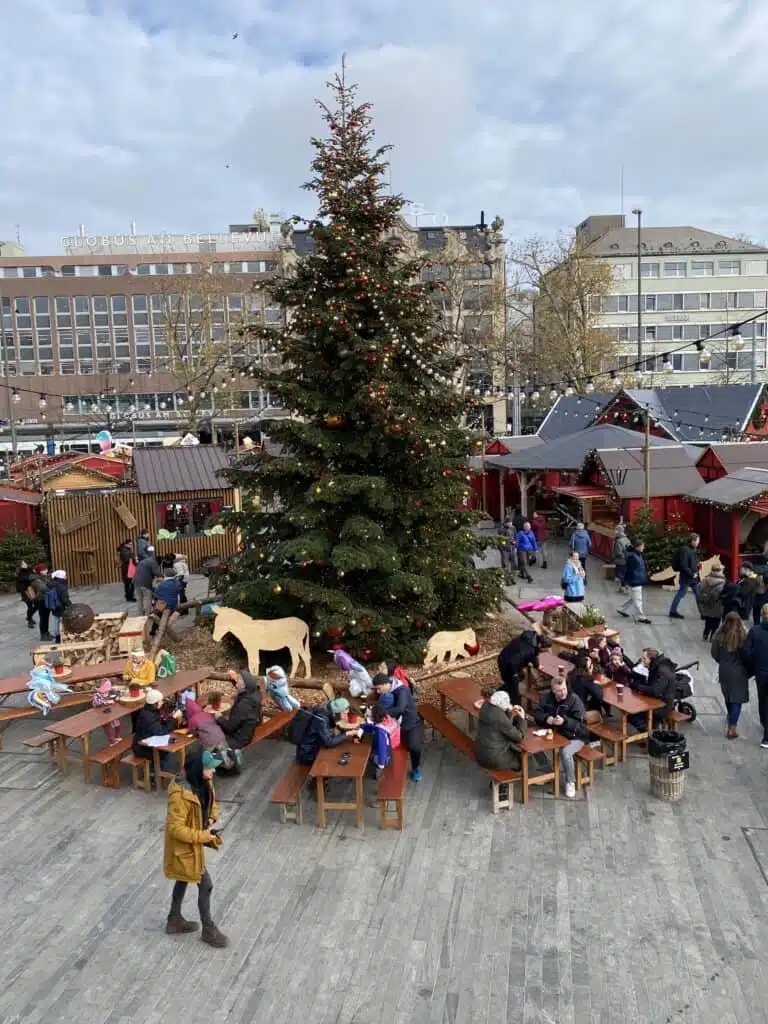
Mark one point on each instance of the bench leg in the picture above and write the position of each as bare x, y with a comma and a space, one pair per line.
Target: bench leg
110, 774
500, 802
392, 820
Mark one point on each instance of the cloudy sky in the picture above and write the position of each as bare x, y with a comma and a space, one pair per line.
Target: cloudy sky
150, 110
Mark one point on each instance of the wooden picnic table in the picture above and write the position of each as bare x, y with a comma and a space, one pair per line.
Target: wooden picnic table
463, 691
630, 703
79, 674
179, 741
532, 745
327, 766
550, 664
80, 727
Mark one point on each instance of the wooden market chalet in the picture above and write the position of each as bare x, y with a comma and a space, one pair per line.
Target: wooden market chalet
698, 455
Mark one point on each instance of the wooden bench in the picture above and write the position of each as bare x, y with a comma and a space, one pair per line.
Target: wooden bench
109, 760
465, 745
270, 726
586, 758
392, 791
43, 739
140, 771
675, 718
287, 793
68, 700
611, 738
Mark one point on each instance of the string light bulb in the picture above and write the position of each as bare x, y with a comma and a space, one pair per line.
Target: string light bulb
15, 396
42, 401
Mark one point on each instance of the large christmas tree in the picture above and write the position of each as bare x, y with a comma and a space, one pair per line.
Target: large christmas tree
361, 525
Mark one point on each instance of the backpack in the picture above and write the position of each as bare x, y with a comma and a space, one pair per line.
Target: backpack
298, 726
676, 564
38, 585
392, 729
52, 600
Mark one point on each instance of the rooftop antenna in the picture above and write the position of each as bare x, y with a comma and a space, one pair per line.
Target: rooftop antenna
18, 234
133, 228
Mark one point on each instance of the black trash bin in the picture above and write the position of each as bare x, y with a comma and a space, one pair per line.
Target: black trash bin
668, 758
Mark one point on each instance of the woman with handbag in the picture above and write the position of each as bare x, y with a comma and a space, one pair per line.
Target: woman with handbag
127, 568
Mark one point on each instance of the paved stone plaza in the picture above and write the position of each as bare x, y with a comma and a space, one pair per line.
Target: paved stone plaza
615, 908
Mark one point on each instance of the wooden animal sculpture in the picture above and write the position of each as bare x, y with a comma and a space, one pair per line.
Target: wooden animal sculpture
257, 635
452, 644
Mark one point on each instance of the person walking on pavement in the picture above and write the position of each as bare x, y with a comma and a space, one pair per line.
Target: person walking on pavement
711, 600
39, 583
57, 600
540, 526
635, 578
732, 670
526, 550
685, 562
581, 543
147, 571
621, 544
192, 810
25, 590
755, 652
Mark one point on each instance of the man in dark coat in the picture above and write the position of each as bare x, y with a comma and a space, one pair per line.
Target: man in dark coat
564, 712
635, 578
521, 651
320, 731
686, 562
150, 721
755, 652
245, 714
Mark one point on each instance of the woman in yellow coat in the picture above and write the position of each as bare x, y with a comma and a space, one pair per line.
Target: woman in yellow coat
191, 812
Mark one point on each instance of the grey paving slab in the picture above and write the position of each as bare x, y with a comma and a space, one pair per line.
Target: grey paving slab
613, 908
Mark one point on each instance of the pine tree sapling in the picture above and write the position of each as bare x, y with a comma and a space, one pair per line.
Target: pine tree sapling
362, 525
661, 539
16, 548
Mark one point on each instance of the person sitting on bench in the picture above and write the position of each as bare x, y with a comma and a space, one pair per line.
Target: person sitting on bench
500, 731
243, 717
403, 710
581, 682
660, 682
564, 712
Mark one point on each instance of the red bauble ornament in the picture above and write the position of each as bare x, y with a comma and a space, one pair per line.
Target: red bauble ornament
475, 586
472, 649
335, 632
365, 623
447, 472
368, 654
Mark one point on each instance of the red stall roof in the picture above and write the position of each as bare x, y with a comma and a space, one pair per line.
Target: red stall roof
581, 492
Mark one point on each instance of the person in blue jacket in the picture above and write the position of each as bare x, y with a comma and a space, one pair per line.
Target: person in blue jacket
635, 577
526, 545
573, 579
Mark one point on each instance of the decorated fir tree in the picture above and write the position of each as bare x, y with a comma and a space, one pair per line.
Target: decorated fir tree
361, 526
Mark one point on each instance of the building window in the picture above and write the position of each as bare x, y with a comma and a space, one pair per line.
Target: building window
677, 269
68, 270
180, 268
162, 268
649, 270
62, 304
104, 270
650, 333
9, 272
702, 268
189, 518
143, 269
729, 268
87, 271
29, 271
623, 303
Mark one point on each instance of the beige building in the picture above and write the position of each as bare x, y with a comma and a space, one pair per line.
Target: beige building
693, 284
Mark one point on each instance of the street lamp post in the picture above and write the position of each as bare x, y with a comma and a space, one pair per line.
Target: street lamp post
639, 214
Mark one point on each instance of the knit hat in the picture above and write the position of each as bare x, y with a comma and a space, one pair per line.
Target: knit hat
153, 696
59, 574
338, 705
138, 652
105, 687
500, 699
211, 760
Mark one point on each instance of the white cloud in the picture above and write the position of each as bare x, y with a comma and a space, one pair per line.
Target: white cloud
133, 109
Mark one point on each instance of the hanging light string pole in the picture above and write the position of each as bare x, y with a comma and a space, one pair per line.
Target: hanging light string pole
8, 394
647, 457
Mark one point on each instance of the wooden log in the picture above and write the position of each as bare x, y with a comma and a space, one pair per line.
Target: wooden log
160, 633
